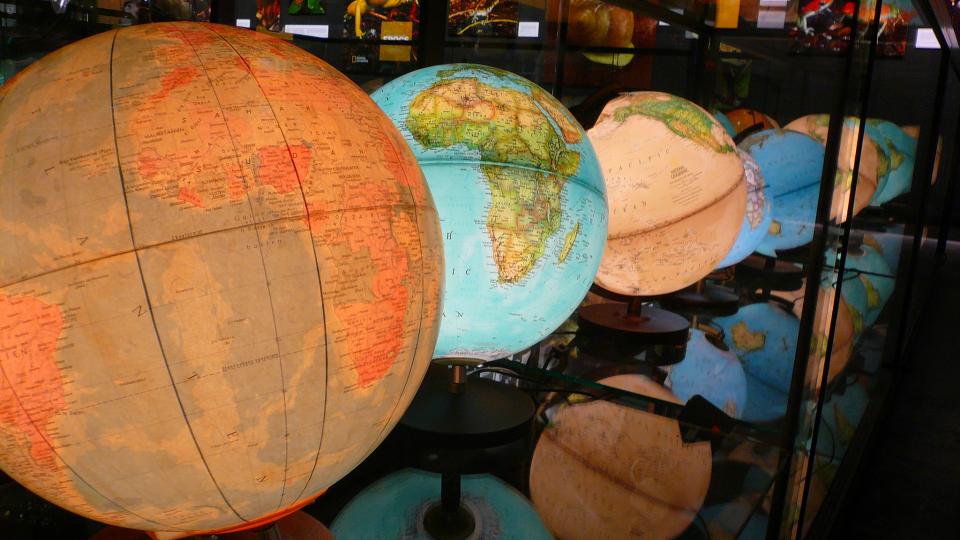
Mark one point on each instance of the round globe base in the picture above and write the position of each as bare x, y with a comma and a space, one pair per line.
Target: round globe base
770, 273
705, 300
450, 412
298, 525
449, 525
645, 325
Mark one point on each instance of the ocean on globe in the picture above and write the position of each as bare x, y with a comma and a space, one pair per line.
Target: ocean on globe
791, 164
227, 281
764, 338
676, 189
759, 215
605, 470
711, 372
895, 159
394, 507
521, 201
888, 243
840, 417
817, 126
867, 285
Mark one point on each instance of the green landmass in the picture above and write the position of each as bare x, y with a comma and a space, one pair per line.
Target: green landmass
682, 118
873, 295
883, 162
747, 340
568, 241
507, 127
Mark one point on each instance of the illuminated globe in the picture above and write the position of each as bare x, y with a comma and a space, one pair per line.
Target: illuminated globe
791, 164
758, 217
225, 291
817, 126
676, 189
895, 159
709, 371
603, 470
868, 283
520, 197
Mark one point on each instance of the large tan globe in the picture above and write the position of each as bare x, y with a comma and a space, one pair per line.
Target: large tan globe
676, 191
602, 470
220, 277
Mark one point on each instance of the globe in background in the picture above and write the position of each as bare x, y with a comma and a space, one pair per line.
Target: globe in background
676, 188
896, 155
605, 470
817, 126
764, 338
521, 202
227, 276
711, 372
791, 164
748, 119
758, 217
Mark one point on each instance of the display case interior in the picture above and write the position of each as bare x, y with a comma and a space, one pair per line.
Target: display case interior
775, 180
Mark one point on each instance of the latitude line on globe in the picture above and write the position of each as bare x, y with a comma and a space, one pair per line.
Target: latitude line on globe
146, 292
667, 223
263, 262
574, 179
316, 263
173, 241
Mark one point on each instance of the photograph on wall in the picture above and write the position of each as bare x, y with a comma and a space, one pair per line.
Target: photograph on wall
307, 7
370, 19
823, 26
895, 17
483, 18
268, 15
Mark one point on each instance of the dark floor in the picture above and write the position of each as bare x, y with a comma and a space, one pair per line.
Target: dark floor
909, 487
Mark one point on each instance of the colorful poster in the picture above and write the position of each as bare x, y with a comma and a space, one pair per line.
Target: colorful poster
268, 15
493, 18
823, 26
365, 19
895, 17
307, 7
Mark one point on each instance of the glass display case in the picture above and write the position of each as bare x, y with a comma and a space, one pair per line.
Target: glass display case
749, 417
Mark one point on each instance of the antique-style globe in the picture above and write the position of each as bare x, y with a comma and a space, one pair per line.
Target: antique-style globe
520, 197
791, 164
603, 470
676, 189
220, 277
744, 120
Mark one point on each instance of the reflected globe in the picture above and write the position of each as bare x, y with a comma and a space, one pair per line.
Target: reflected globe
602, 470
791, 164
520, 197
677, 193
758, 217
711, 372
224, 294
895, 159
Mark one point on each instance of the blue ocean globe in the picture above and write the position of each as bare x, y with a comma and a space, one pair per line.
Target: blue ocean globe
521, 201
868, 283
791, 164
759, 215
711, 372
764, 338
896, 151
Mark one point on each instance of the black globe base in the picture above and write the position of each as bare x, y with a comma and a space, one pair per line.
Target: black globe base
449, 412
703, 299
770, 273
636, 323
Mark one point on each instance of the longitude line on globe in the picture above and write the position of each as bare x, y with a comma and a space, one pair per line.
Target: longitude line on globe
263, 262
316, 260
146, 292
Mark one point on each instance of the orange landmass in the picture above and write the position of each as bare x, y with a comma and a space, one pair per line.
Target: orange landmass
31, 389
180, 76
280, 166
190, 196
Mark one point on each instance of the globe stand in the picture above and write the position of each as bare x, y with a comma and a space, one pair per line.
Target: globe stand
704, 298
634, 322
449, 413
770, 273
